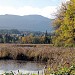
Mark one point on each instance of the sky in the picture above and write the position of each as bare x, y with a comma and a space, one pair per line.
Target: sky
46, 8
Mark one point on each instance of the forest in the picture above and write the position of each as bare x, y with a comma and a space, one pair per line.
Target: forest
25, 37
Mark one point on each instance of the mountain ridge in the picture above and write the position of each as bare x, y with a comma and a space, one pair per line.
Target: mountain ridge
26, 22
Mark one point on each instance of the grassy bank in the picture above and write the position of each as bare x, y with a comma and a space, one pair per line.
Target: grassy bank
54, 56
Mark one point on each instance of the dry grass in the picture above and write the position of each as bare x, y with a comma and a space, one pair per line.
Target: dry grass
55, 56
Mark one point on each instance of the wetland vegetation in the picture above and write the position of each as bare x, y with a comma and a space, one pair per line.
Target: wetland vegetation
52, 56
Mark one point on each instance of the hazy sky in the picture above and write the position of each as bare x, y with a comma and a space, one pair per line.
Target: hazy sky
45, 8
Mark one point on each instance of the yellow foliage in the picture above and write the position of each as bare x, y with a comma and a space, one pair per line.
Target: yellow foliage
65, 27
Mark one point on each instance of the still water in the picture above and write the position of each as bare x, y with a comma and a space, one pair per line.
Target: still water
22, 66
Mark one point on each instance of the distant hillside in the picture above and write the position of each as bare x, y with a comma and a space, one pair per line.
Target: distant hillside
12, 31
30, 22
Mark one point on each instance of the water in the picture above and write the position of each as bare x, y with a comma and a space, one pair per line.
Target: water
22, 66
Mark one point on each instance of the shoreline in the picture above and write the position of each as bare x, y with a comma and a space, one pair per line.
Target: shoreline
46, 54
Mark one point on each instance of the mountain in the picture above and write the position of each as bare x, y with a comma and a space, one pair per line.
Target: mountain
29, 22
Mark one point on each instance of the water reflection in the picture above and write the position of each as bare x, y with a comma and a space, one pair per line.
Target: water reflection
22, 66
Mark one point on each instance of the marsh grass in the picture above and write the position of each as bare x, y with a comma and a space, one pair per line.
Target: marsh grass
54, 56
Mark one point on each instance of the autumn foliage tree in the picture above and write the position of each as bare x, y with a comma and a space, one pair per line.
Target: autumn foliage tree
65, 25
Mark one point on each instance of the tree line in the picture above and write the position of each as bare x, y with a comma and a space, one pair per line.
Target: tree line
8, 38
31, 39
26, 39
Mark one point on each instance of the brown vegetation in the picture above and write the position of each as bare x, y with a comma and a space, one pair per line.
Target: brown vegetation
55, 56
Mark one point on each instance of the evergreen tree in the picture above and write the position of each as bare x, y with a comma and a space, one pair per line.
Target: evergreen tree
47, 39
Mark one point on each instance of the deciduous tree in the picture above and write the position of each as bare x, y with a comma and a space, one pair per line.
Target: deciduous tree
65, 25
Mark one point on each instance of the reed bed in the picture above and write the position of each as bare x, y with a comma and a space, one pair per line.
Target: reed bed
54, 56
